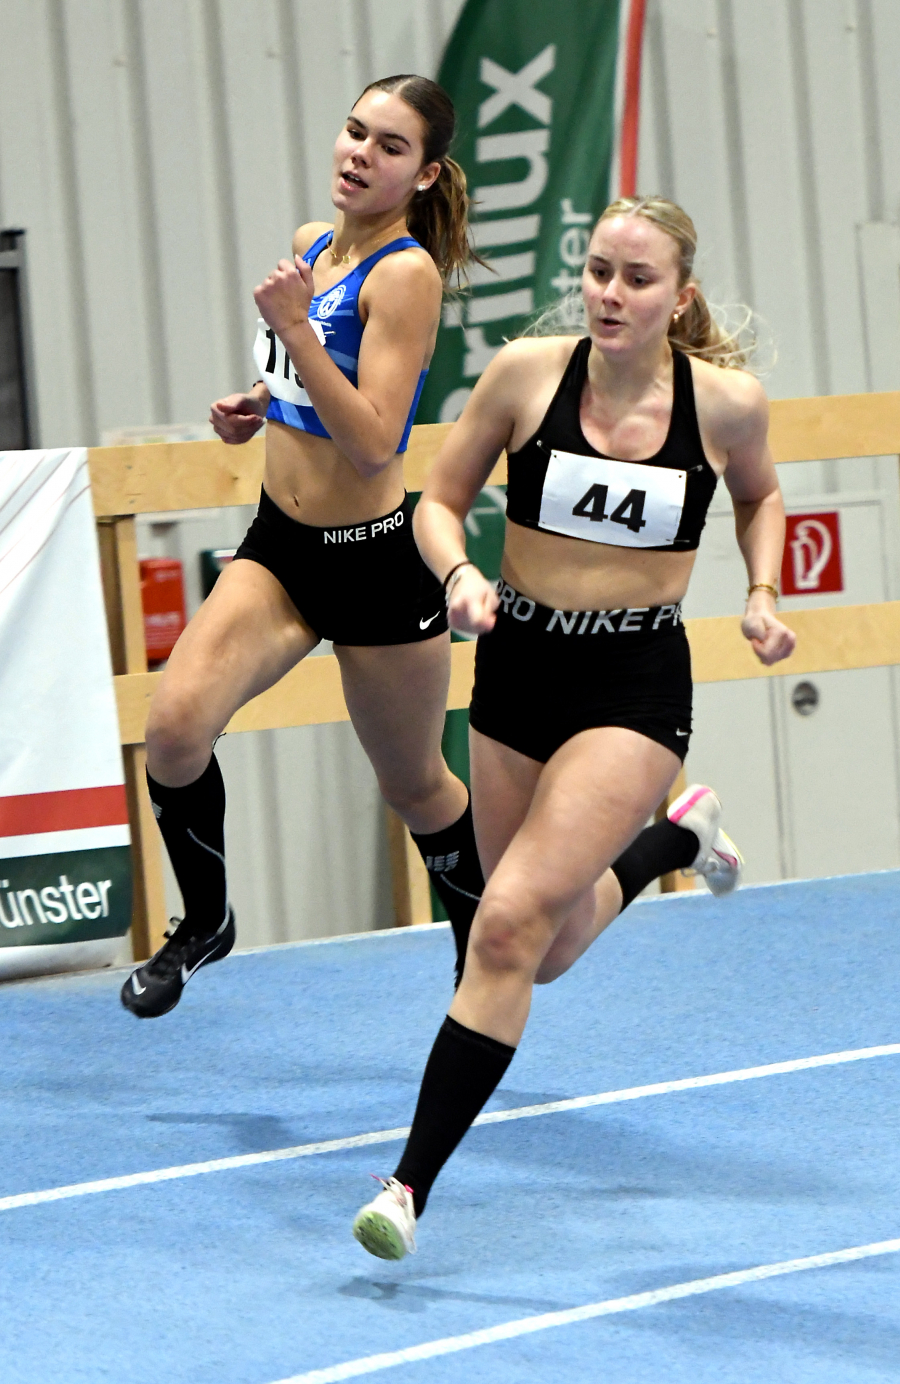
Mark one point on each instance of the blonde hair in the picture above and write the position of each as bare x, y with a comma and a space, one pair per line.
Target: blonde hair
696, 331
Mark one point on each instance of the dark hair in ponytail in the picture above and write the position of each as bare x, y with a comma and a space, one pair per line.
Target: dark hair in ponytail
438, 217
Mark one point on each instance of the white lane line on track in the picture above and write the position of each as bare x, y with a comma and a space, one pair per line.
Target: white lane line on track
387, 1136
352, 1369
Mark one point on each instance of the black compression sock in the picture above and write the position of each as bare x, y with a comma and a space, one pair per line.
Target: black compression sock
462, 1073
656, 851
451, 859
192, 822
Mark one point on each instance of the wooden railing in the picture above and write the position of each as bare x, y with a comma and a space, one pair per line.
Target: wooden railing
127, 481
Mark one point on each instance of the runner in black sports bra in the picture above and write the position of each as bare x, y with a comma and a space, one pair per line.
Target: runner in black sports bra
581, 712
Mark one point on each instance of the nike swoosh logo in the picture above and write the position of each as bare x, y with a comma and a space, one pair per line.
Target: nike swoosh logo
136, 985
186, 974
682, 732
423, 624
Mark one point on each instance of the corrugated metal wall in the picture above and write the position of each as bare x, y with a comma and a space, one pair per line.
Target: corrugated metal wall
160, 154
777, 124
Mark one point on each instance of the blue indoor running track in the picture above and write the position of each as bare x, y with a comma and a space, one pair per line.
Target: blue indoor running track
690, 1174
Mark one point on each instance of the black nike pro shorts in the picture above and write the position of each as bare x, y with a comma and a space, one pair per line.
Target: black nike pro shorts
355, 583
542, 675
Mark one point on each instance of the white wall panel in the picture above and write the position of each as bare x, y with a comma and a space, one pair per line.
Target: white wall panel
880, 30
204, 351
117, 272
694, 82
781, 273
835, 184
261, 150
38, 191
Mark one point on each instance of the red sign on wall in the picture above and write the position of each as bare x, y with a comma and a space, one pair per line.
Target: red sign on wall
162, 597
812, 555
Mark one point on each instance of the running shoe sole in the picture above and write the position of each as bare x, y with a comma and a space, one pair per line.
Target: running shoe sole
378, 1234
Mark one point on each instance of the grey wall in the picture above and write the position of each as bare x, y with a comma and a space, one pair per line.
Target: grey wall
777, 124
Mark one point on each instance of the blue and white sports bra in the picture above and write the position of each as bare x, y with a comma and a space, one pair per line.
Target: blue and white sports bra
334, 317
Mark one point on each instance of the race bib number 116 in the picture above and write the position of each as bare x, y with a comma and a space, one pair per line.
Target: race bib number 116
624, 503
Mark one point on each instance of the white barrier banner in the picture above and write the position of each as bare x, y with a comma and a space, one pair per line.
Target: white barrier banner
65, 860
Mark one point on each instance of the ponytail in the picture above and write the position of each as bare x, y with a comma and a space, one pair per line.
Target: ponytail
439, 217
697, 332
439, 220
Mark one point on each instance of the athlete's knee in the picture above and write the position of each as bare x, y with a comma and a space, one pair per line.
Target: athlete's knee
406, 796
509, 933
175, 730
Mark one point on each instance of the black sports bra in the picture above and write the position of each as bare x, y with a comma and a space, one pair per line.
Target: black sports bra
559, 483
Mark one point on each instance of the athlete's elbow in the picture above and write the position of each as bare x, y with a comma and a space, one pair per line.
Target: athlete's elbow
371, 459
371, 464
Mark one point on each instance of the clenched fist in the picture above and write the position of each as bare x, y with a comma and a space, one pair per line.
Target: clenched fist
237, 417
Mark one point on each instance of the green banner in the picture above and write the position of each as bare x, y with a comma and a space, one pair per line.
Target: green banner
533, 82
70, 896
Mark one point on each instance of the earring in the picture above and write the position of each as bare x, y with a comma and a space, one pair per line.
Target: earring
421, 187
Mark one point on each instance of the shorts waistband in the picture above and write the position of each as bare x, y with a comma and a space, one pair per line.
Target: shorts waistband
624, 620
340, 535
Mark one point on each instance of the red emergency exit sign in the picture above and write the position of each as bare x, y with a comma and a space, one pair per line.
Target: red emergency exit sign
812, 555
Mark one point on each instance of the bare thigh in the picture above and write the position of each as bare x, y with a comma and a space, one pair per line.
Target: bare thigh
548, 833
244, 637
397, 697
503, 784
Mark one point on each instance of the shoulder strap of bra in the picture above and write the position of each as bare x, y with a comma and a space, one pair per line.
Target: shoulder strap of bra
568, 392
315, 250
576, 370
403, 242
684, 403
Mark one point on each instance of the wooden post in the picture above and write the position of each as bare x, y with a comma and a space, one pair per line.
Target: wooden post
675, 882
409, 878
125, 621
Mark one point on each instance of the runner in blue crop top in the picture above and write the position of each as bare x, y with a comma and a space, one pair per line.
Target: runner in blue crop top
347, 329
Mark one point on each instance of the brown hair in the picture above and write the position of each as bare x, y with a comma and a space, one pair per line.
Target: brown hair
439, 217
696, 332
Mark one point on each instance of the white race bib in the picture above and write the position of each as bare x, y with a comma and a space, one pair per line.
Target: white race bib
625, 503
274, 364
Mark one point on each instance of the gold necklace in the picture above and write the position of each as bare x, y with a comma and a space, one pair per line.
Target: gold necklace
338, 259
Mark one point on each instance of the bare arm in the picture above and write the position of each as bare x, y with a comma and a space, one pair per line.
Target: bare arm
403, 296
462, 467
759, 520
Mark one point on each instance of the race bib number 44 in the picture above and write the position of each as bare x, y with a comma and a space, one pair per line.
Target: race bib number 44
274, 364
625, 503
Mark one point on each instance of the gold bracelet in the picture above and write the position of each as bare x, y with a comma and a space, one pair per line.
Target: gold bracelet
763, 586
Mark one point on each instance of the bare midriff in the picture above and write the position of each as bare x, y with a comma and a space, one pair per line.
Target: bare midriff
313, 482
573, 574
